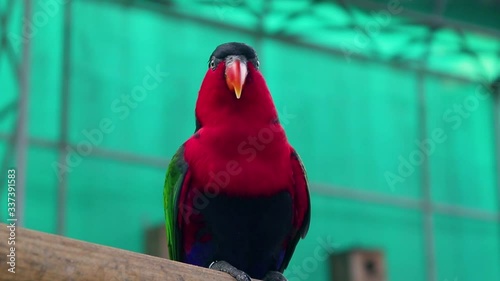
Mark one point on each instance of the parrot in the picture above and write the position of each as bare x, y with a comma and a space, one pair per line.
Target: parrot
236, 196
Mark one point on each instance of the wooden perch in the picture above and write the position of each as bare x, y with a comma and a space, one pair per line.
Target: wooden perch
45, 257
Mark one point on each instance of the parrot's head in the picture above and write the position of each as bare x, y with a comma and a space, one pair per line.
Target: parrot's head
234, 59
233, 85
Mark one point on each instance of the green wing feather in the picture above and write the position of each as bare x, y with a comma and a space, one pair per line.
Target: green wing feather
174, 180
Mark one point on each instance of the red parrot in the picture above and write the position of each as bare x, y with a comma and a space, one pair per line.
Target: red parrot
236, 194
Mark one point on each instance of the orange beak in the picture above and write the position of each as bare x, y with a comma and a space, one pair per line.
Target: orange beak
236, 73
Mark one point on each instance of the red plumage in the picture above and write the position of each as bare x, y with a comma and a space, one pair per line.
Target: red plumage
240, 150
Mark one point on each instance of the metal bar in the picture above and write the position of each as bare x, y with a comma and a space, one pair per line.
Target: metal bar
445, 209
130, 158
38, 142
169, 12
102, 153
22, 125
367, 196
428, 215
496, 122
64, 117
402, 202
426, 185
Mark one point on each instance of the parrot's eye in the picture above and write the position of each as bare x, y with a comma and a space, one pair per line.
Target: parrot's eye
213, 64
256, 63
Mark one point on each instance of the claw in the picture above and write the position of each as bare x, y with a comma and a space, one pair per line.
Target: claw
231, 270
243, 277
274, 276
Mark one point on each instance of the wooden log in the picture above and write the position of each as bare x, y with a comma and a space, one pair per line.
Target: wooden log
45, 257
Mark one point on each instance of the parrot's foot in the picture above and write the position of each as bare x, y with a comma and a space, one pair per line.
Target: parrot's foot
231, 270
274, 276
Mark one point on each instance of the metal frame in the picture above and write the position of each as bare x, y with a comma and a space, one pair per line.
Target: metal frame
65, 96
427, 211
428, 229
496, 124
425, 205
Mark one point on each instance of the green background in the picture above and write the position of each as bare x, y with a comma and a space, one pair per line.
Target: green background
351, 119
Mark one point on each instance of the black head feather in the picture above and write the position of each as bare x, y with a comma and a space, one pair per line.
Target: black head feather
235, 49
